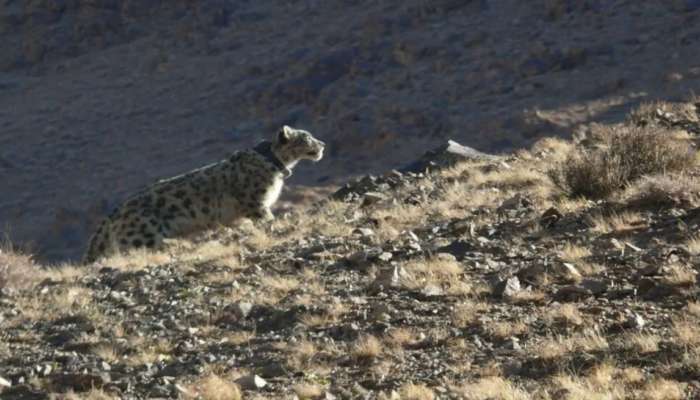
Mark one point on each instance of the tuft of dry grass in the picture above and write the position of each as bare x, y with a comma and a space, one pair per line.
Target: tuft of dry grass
680, 275
663, 190
534, 296
506, 329
213, 387
574, 253
92, 394
366, 348
301, 355
616, 222
138, 259
628, 153
693, 308
564, 315
308, 391
687, 332
642, 343
411, 391
554, 348
492, 388
400, 337
465, 314
17, 270
693, 245
662, 389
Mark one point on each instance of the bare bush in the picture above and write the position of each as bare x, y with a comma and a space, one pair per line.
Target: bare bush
17, 270
627, 154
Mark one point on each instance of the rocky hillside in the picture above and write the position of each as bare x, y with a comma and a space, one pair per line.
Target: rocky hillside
98, 98
482, 278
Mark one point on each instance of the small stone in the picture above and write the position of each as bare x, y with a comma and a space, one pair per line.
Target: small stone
459, 248
46, 370
447, 257
572, 293
514, 343
390, 277
517, 202
364, 232
251, 382
432, 290
385, 256
273, 370
4, 382
571, 272
509, 288
329, 396
372, 198
595, 286
242, 309
635, 321
550, 217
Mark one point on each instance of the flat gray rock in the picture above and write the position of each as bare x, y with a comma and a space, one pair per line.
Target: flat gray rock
446, 156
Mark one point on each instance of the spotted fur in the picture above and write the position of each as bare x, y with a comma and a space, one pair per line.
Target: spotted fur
245, 185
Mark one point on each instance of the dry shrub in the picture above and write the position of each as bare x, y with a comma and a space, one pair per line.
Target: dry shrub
662, 113
664, 190
17, 270
492, 388
410, 391
627, 154
366, 348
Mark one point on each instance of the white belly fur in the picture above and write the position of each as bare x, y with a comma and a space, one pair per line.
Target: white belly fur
273, 193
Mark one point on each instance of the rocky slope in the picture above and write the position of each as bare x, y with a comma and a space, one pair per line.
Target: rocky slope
98, 98
476, 280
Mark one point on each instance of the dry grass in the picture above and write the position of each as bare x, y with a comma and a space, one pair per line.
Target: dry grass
642, 343
680, 275
138, 259
148, 352
693, 245
628, 154
400, 337
564, 315
308, 391
663, 190
465, 314
555, 149
506, 329
598, 385
107, 353
300, 356
92, 394
687, 332
492, 388
557, 347
693, 308
410, 391
534, 296
277, 286
213, 387
574, 253
17, 270
616, 222
366, 348
663, 389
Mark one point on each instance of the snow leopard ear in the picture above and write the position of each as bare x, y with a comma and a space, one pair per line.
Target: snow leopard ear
284, 135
